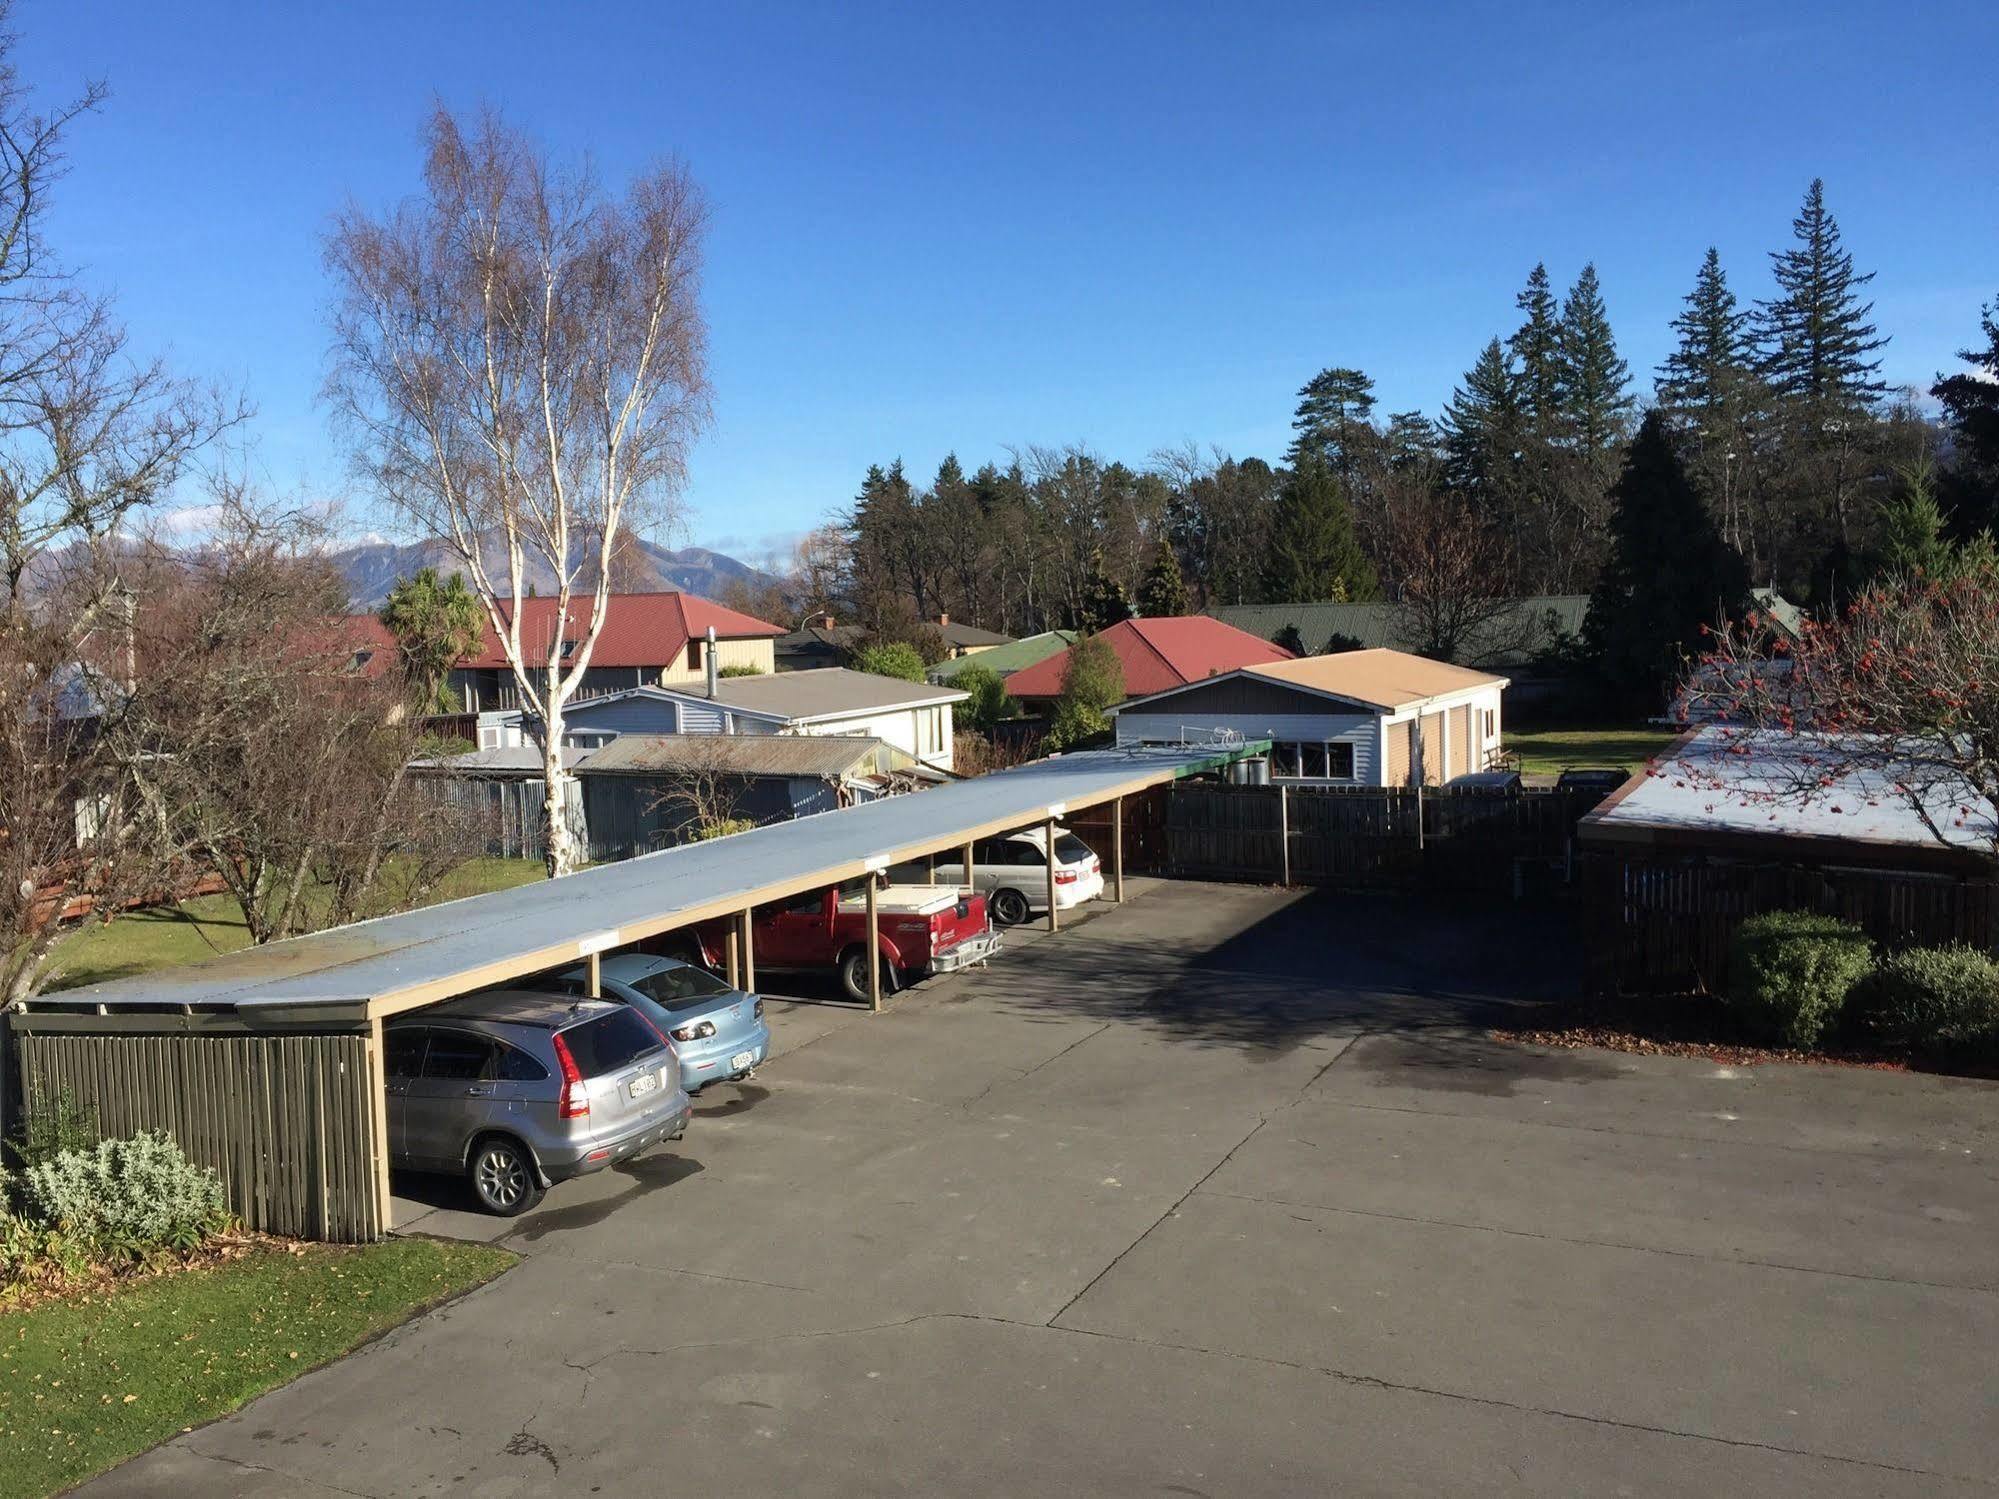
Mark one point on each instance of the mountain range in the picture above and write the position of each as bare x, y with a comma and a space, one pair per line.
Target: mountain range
372, 568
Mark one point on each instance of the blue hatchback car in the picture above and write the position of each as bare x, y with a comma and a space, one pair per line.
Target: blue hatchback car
717, 1032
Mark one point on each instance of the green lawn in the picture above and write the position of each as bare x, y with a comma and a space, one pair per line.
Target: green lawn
86, 1383
1549, 751
142, 941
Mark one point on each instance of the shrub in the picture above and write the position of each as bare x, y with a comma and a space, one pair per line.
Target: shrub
1932, 998
988, 703
126, 1198
49, 1126
1790, 973
895, 658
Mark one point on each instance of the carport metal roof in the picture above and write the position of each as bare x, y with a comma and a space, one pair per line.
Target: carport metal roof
371, 969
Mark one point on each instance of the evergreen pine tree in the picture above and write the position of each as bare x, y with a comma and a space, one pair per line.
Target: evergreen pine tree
1815, 337
1592, 385
1971, 406
1334, 419
1910, 530
1715, 353
1314, 553
1669, 574
1412, 439
1482, 427
1104, 600
1162, 593
1536, 351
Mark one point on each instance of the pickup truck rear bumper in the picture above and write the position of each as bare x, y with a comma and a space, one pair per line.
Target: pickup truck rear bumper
972, 950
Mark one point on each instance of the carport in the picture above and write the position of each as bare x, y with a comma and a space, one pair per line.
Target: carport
268, 1063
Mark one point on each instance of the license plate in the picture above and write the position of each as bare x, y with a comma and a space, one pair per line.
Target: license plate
741, 1060
643, 1085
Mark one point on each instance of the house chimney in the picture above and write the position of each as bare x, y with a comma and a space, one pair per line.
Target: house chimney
825, 621
711, 661
943, 619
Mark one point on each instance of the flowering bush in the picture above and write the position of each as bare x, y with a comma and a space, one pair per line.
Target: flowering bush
125, 1199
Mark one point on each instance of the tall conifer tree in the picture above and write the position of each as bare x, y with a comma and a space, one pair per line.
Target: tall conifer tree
1592, 384
1315, 554
1536, 350
1668, 574
1815, 335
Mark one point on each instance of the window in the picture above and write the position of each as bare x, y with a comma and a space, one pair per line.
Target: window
404, 1051
516, 1066
458, 1056
680, 987
1323, 760
694, 655
611, 1042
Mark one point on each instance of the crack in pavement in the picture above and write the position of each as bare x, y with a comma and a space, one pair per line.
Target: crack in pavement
1679, 1254
276, 1472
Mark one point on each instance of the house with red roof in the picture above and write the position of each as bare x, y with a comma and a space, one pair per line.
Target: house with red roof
648, 640
1157, 654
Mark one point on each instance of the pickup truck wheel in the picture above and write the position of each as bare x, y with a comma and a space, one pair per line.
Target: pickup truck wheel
854, 974
1009, 907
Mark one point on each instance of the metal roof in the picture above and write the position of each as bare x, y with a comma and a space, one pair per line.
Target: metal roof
1156, 654
827, 755
1528, 626
401, 962
1721, 785
1015, 655
825, 692
504, 760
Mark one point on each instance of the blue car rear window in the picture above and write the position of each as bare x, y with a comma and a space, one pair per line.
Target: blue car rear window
681, 987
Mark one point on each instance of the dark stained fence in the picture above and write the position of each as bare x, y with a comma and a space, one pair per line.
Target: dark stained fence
506, 813
1663, 926
1367, 836
286, 1121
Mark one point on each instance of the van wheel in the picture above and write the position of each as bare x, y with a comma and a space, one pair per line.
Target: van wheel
1009, 907
503, 1177
854, 975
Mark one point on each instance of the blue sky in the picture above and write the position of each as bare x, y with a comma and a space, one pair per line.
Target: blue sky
1127, 225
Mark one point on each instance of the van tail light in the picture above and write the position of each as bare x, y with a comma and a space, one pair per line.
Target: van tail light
1065, 876
575, 1102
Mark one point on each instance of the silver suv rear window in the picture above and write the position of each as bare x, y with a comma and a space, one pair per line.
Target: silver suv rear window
611, 1042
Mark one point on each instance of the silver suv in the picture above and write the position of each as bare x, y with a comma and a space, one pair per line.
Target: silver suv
519, 1091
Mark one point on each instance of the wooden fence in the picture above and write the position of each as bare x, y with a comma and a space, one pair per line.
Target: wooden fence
1663, 926
1367, 836
288, 1122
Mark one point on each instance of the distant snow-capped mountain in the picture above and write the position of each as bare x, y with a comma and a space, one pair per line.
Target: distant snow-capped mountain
372, 567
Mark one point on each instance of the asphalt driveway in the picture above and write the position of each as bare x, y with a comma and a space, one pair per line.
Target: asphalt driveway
1223, 1192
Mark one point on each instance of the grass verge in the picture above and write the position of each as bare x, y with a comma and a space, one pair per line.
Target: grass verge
89, 1381
1550, 751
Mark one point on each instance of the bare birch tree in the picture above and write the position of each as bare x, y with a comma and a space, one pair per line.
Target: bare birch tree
522, 359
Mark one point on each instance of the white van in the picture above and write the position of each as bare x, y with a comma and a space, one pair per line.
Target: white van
1012, 873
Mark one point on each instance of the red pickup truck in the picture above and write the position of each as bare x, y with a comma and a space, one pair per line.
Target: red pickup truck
922, 929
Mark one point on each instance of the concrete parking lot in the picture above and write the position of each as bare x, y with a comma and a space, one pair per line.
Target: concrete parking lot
1222, 1192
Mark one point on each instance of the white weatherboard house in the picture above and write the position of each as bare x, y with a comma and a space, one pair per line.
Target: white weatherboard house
1357, 718
914, 717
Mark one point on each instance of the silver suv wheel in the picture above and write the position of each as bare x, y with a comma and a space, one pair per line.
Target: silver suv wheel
503, 1178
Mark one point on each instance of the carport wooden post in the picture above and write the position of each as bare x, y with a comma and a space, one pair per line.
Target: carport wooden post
874, 950
596, 971
378, 1090
732, 964
1284, 835
1117, 850
965, 867
1048, 838
749, 949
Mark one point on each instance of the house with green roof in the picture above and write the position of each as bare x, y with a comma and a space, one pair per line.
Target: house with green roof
1015, 655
